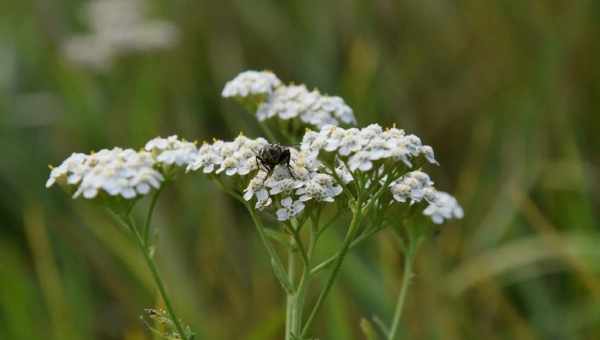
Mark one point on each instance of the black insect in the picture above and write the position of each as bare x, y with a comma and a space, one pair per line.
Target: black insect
272, 155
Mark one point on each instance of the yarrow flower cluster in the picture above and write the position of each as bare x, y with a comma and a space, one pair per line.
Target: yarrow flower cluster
116, 172
443, 206
172, 150
250, 84
237, 157
288, 102
128, 173
372, 149
414, 187
312, 108
300, 183
118, 28
303, 182
361, 148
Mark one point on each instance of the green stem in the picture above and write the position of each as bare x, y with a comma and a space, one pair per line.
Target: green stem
406, 279
304, 280
298, 241
290, 311
155, 275
357, 241
149, 216
333, 276
275, 259
299, 301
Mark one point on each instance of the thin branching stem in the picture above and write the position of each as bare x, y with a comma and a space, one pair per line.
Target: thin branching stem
147, 225
410, 251
145, 249
356, 242
275, 259
334, 273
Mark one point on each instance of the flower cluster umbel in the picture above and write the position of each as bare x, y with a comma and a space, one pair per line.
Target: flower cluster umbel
275, 100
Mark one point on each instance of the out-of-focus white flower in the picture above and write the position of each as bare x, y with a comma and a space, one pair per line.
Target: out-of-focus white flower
288, 102
443, 206
232, 158
311, 107
118, 28
172, 150
251, 83
117, 172
289, 209
414, 186
88, 51
363, 147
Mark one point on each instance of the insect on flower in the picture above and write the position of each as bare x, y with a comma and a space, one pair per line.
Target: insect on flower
272, 155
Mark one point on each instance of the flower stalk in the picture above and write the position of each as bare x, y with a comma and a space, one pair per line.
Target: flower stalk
407, 277
144, 246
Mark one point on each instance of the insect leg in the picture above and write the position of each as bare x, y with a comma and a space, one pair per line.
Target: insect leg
289, 169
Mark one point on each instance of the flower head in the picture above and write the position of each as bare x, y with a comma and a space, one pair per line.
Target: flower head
414, 186
237, 157
70, 171
311, 107
288, 101
361, 148
116, 172
251, 83
172, 150
443, 206
289, 209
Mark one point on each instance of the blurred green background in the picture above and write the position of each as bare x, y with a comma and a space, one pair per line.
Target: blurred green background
507, 92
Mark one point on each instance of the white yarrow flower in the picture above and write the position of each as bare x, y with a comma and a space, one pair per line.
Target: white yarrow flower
443, 207
117, 172
303, 182
288, 102
311, 107
289, 209
362, 147
251, 83
414, 187
237, 157
71, 170
172, 150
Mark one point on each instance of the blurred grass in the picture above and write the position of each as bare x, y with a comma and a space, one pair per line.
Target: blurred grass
507, 92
